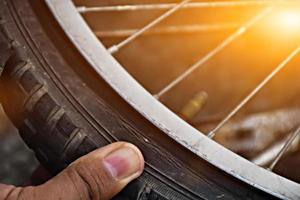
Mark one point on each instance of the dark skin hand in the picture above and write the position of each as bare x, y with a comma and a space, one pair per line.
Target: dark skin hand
100, 175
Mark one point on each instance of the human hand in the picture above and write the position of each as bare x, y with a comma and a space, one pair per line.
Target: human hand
99, 175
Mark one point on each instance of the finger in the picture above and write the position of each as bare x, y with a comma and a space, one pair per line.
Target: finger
39, 176
99, 175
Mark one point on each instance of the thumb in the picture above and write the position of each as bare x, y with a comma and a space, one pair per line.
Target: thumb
99, 175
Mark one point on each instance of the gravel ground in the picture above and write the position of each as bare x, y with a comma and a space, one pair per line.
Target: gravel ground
17, 162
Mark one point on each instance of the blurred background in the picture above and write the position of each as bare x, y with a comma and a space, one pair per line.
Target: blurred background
229, 76
17, 162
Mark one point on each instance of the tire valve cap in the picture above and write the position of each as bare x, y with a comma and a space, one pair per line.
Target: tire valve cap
193, 106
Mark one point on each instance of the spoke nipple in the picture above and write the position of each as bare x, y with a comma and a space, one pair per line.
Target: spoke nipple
156, 96
211, 134
113, 49
81, 9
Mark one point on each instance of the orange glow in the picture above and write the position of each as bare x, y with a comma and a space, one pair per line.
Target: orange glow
289, 20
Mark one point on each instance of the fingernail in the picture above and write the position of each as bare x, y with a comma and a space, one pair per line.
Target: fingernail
123, 163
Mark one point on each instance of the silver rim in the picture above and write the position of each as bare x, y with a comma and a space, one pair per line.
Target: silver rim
119, 79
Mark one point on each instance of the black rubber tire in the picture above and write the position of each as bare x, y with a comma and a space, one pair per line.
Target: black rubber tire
63, 110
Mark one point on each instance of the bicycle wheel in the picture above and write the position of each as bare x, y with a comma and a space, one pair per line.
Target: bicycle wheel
52, 91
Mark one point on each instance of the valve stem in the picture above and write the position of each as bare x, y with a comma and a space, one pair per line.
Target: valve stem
194, 106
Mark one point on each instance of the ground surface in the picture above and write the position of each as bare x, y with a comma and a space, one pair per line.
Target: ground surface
17, 162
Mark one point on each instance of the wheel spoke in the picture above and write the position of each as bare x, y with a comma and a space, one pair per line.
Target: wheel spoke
270, 154
285, 148
219, 4
215, 51
170, 30
116, 48
254, 92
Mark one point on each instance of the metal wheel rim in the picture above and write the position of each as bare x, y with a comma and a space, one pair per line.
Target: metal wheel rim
128, 88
